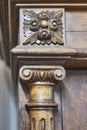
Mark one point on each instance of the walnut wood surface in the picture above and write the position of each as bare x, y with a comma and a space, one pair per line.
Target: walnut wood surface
74, 103
77, 39
76, 20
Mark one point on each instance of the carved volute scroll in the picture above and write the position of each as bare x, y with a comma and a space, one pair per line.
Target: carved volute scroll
40, 81
43, 27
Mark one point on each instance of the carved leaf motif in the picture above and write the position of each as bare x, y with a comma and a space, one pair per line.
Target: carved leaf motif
59, 22
42, 75
29, 14
58, 14
54, 39
31, 39
60, 28
51, 15
43, 15
33, 74
59, 39
26, 22
32, 13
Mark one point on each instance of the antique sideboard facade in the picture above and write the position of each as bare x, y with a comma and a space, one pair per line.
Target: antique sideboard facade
48, 45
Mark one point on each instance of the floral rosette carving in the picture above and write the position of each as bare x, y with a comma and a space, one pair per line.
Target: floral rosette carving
45, 27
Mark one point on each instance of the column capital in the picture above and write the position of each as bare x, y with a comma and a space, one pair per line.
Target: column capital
42, 73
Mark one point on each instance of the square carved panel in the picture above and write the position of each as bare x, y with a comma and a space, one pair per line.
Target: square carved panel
42, 27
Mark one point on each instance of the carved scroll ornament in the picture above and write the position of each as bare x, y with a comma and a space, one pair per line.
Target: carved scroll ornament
43, 27
40, 81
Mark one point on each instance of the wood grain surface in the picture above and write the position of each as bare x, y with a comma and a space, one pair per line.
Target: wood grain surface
76, 39
76, 20
74, 100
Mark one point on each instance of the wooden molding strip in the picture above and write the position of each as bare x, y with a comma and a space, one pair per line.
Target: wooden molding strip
51, 5
63, 51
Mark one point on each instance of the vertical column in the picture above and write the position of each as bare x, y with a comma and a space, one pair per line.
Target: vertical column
41, 105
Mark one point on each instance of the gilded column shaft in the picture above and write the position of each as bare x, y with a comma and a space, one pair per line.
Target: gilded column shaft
41, 105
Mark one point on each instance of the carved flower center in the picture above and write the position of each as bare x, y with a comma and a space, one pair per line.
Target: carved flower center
44, 34
44, 24
54, 23
34, 23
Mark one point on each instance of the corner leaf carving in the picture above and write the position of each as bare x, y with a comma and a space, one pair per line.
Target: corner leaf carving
43, 27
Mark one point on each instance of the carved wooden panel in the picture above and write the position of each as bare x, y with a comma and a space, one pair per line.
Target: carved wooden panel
73, 22
42, 26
